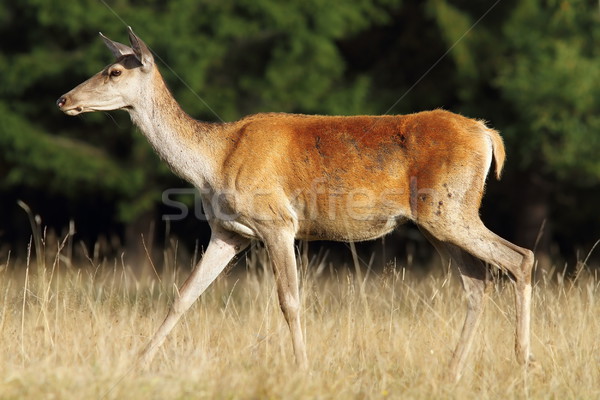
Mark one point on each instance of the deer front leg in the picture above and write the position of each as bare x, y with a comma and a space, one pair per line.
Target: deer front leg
280, 247
223, 246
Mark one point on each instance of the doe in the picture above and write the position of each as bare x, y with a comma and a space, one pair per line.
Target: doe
280, 177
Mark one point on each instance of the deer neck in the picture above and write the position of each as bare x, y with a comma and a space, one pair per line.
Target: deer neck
181, 141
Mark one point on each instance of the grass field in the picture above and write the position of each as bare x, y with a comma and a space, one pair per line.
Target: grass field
73, 332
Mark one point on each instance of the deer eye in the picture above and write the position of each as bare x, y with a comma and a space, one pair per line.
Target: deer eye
115, 72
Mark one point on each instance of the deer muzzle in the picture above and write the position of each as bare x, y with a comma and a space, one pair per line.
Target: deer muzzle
63, 105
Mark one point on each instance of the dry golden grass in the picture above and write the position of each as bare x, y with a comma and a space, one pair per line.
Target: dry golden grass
73, 333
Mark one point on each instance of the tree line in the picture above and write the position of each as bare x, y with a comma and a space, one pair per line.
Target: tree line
527, 67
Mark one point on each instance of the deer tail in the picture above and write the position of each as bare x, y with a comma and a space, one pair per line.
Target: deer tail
498, 150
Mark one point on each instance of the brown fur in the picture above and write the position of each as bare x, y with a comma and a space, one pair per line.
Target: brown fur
320, 161
281, 177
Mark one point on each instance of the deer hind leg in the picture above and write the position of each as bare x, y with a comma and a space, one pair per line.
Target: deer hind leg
474, 238
223, 246
523, 296
476, 281
280, 247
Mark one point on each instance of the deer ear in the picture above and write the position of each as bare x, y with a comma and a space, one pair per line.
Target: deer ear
116, 48
141, 51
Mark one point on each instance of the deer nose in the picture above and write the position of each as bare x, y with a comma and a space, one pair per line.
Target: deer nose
61, 102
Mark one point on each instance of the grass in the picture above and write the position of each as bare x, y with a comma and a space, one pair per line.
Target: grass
73, 331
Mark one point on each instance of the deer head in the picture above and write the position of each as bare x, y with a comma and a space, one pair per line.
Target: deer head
117, 86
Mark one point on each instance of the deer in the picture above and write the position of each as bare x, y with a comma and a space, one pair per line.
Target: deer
277, 178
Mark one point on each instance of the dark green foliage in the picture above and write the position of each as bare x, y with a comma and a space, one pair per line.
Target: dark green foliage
550, 76
529, 67
31, 157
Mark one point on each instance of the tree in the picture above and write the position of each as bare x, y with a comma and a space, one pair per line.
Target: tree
222, 60
537, 61
527, 66
549, 77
